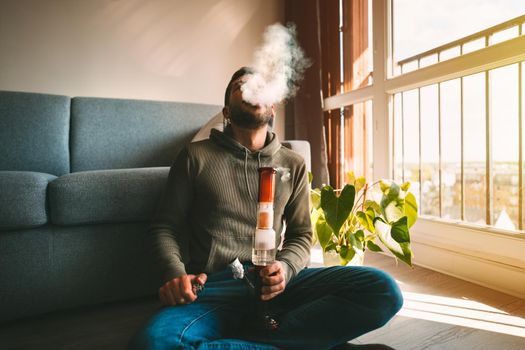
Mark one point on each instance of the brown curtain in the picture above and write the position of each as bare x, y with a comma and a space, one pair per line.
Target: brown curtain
356, 75
331, 85
304, 114
320, 35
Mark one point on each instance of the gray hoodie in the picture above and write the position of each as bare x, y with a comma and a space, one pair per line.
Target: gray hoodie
208, 211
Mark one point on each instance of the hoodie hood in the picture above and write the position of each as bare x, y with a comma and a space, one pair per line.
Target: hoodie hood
225, 139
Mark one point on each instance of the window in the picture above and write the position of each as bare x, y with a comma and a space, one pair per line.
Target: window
460, 138
454, 96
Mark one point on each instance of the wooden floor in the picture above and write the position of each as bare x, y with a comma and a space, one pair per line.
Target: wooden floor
440, 313
445, 313
102, 327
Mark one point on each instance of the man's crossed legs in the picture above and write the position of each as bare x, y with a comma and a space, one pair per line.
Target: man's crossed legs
319, 309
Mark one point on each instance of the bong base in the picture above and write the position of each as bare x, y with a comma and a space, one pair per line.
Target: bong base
262, 320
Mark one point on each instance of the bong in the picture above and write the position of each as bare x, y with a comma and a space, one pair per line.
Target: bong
264, 244
263, 249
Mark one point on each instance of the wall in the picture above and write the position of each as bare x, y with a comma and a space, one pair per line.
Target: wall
176, 50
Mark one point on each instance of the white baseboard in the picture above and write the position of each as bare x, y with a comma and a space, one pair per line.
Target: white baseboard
490, 259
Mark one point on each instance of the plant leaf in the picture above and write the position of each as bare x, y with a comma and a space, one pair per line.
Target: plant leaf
351, 177
373, 205
411, 208
366, 221
315, 214
390, 192
399, 231
401, 235
354, 240
310, 177
315, 197
360, 235
373, 247
324, 232
347, 253
331, 246
393, 212
391, 203
370, 213
337, 208
384, 185
359, 183
314, 217
396, 238
405, 186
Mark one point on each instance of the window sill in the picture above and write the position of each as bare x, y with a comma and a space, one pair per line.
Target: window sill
483, 255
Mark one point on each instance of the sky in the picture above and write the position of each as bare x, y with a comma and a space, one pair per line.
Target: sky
439, 22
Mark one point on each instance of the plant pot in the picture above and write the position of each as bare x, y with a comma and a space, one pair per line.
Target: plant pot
331, 258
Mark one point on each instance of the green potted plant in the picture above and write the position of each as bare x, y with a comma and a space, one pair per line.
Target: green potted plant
361, 217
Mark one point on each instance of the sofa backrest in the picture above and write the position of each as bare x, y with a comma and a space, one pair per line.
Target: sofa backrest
125, 133
34, 132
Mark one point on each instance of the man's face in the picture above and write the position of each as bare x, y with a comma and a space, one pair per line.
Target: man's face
244, 114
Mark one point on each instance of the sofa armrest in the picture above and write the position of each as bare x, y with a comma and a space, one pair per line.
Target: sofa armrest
23, 199
303, 148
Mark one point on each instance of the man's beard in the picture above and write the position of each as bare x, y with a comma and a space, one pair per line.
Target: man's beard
248, 120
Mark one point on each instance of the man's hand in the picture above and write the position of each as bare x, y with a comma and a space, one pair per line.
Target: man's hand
179, 291
273, 280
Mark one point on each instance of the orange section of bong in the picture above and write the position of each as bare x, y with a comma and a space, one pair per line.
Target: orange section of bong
263, 252
266, 193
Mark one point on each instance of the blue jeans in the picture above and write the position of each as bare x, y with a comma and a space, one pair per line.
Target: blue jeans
319, 309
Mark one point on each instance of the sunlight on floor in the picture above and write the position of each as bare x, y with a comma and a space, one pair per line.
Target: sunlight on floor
456, 311
461, 312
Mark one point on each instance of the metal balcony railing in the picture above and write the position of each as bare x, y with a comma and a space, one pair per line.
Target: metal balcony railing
518, 22
486, 35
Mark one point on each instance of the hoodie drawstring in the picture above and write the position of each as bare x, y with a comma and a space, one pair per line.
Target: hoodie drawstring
246, 173
246, 170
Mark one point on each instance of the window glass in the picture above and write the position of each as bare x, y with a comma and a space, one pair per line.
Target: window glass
358, 139
451, 149
411, 140
429, 151
474, 148
505, 146
435, 23
398, 139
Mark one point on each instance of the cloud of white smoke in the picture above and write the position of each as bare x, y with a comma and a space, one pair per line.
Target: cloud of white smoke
279, 65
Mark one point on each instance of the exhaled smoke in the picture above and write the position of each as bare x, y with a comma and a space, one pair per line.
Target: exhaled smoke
279, 65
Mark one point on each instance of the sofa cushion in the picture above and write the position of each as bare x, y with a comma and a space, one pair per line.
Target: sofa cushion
119, 133
106, 196
34, 132
23, 199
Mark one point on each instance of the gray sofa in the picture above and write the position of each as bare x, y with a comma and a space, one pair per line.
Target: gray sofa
79, 180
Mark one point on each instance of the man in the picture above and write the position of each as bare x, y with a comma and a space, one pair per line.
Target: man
207, 218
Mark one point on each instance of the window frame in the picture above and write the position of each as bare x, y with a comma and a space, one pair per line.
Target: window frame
454, 247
